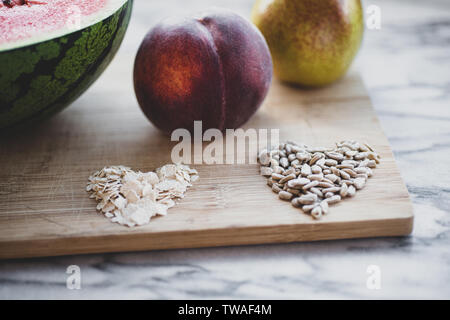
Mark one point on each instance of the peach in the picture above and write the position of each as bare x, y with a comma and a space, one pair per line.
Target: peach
214, 67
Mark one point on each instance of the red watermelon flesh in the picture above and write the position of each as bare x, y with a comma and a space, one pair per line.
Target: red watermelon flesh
21, 22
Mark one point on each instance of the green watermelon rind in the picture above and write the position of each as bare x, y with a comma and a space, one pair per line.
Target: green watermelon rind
38, 80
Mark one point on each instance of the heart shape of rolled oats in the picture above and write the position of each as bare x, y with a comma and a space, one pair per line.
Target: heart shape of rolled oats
132, 198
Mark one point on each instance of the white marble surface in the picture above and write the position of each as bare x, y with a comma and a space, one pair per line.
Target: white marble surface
406, 67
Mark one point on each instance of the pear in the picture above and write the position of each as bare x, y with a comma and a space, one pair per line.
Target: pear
313, 42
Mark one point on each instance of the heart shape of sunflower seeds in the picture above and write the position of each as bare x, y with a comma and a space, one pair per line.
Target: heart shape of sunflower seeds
314, 178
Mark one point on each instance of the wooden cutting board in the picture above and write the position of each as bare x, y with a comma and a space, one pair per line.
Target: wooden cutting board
45, 210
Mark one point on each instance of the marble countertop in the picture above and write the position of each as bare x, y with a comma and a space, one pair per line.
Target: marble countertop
406, 67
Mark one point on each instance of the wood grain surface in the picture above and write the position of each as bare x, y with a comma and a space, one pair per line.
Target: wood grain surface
45, 210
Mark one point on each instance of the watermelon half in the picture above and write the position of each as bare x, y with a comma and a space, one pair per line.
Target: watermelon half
50, 53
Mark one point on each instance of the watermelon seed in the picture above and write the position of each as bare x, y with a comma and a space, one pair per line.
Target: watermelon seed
12, 3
